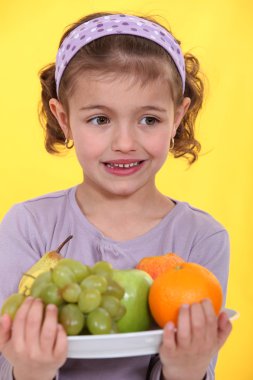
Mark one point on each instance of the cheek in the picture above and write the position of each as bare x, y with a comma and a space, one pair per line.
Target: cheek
87, 152
88, 146
159, 146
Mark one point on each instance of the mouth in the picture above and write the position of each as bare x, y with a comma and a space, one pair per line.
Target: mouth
121, 165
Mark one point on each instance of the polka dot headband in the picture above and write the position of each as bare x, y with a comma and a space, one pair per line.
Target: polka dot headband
116, 24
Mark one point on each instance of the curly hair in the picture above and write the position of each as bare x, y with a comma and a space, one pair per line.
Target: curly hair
124, 54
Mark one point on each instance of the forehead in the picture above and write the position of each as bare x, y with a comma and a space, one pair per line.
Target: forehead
116, 88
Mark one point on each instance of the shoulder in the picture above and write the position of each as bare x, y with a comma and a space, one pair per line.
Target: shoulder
42, 208
194, 227
195, 219
39, 222
47, 200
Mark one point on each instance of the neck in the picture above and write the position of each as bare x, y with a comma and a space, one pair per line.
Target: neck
143, 202
123, 217
88, 199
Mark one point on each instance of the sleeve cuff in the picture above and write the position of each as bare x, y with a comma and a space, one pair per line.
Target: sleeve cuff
155, 369
5, 369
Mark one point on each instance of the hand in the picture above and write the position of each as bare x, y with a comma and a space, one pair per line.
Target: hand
186, 354
36, 346
5, 330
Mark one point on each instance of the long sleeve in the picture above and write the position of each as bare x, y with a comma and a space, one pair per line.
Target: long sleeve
19, 248
16, 255
5, 369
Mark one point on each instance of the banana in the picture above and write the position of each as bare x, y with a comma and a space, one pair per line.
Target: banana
45, 263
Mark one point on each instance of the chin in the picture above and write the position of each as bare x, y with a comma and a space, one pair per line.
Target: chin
123, 191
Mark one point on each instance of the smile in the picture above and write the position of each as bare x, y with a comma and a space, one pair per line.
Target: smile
121, 168
124, 166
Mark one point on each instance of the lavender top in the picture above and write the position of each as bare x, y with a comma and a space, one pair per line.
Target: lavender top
38, 225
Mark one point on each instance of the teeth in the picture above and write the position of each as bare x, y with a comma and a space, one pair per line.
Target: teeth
123, 165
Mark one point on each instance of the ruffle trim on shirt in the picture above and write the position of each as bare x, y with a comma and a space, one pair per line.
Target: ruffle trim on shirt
105, 248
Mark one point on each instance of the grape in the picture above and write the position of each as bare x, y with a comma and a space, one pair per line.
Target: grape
40, 282
111, 304
43, 277
80, 293
51, 294
95, 281
103, 268
71, 292
36, 289
12, 304
62, 275
59, 307
99, 321
89, 300
80, 270
121, 312
114, 289
72, 319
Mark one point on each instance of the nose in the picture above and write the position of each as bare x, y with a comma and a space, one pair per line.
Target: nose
124, 138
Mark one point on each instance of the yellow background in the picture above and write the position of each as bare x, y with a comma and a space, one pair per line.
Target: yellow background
220, 34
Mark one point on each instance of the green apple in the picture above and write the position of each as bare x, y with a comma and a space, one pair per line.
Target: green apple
136, 284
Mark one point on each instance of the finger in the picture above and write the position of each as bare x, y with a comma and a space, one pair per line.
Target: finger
60, 348
168, 346
169, 336
5, 330
211, 321
49, 329
184, 333
223, 319
18, 329
224, 328
198, 324
33, 325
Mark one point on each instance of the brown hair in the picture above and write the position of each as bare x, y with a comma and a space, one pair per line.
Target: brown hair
124, 54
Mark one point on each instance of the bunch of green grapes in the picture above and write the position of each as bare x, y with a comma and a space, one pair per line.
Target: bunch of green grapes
88, 299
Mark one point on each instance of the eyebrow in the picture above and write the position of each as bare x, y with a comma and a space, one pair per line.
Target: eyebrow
96, 106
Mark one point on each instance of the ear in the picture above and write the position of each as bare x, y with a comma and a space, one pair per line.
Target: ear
60, 114
179, 114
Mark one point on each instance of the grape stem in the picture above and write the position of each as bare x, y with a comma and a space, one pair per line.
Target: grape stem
62, 244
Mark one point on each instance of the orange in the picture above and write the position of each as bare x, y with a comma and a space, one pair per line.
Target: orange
186, 283
155, 265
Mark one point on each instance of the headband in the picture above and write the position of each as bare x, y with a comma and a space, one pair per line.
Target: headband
116, 24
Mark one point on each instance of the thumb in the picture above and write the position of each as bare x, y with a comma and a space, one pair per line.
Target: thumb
224, 328
5, 330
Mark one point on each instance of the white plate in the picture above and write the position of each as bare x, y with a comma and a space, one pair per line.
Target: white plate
120, 345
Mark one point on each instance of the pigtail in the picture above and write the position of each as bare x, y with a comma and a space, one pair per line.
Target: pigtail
185, 141
53, 132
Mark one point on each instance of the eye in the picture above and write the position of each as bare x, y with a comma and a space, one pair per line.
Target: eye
150, 120
101, 120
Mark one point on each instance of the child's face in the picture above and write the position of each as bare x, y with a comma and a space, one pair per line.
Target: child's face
115, 122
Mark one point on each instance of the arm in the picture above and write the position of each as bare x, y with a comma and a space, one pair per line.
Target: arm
20, 247
213, 253
12, 242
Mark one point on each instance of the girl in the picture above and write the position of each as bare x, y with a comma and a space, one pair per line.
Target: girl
122, 92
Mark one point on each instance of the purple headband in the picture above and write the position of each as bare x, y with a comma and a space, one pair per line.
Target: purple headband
116, 24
